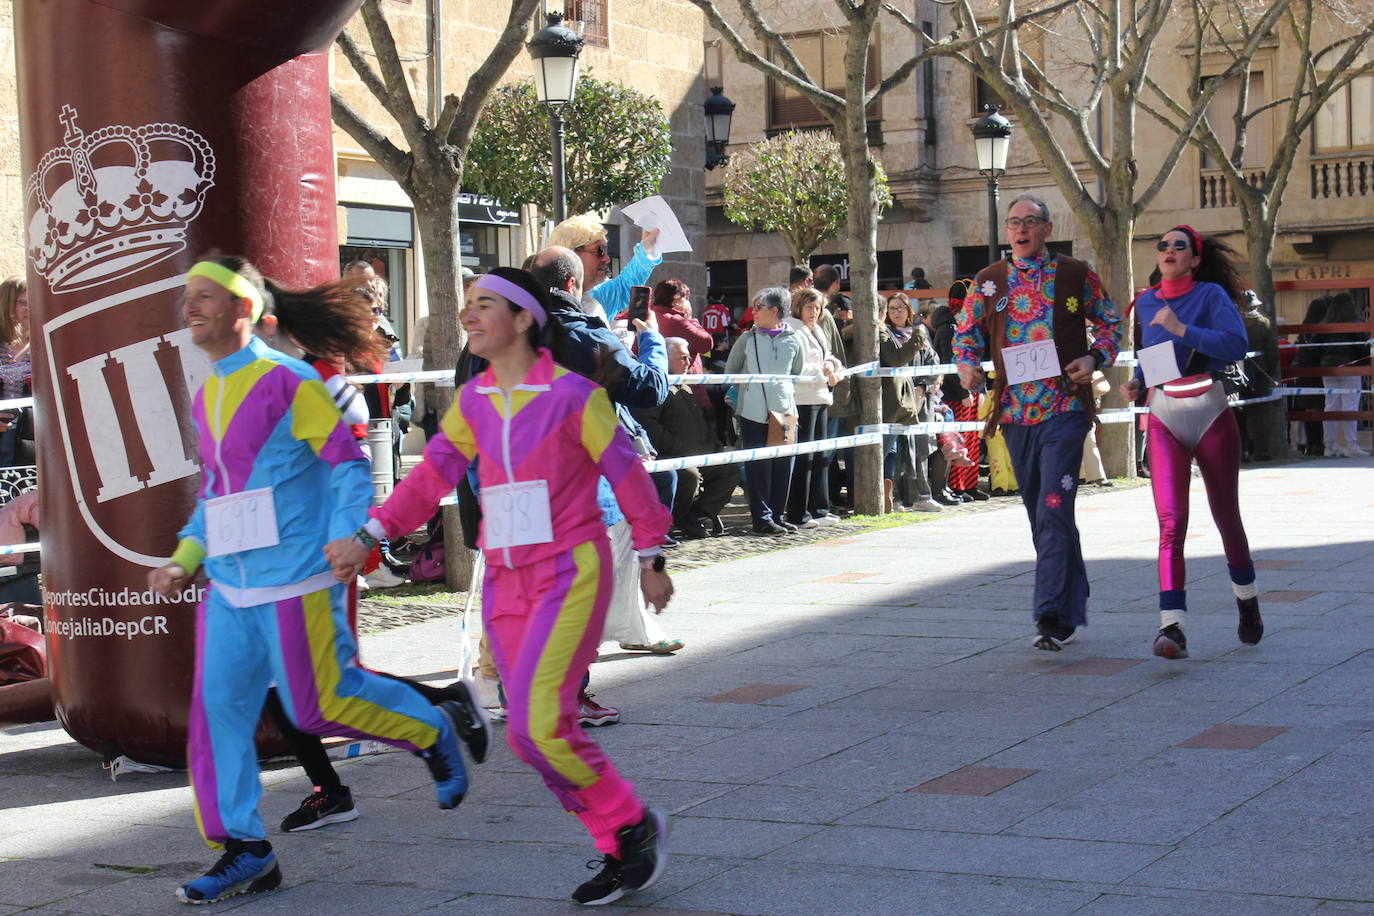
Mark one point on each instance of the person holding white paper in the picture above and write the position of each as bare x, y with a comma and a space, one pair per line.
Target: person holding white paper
605, 296
1193, 312
1041, 401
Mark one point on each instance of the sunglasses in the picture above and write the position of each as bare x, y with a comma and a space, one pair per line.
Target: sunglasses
599, 250
1030, 222
1176, 245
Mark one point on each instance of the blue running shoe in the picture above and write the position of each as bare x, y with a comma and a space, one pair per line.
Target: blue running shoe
236, 872
445, 759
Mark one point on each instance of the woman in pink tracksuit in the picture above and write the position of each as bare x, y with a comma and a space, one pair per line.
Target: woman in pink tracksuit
544, 435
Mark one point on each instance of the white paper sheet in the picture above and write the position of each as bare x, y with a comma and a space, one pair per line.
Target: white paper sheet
404, 365
1159, 363
1031, 362
654, 213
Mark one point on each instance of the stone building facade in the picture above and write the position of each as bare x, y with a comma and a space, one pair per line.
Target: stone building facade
653, 45
640, 44
939, 221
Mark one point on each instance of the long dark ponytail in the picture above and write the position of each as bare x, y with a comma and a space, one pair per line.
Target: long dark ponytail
334, 318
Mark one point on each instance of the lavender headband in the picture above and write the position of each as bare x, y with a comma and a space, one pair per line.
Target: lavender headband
515, 293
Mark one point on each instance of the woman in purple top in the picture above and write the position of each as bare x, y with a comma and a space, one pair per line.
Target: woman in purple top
1194, 308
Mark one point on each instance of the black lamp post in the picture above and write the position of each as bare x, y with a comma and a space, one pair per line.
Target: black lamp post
992, 140
719, 111
554, 50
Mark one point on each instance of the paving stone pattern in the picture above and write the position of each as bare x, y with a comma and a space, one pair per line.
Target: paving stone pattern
885, 741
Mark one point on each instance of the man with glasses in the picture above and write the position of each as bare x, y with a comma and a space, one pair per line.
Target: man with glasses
605, 297
1047, 325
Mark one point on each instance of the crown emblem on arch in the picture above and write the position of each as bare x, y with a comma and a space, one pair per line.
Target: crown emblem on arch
115, 200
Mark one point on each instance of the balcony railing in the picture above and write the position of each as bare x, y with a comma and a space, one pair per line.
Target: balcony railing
1343, 176
1216, 191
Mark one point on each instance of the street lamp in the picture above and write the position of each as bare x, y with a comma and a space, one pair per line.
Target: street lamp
992, 140
554, 50
719, 111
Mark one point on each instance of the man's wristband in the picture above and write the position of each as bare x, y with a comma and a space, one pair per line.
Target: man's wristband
657, 563
365, 538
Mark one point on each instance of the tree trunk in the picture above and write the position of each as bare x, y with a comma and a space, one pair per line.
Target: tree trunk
1113, 244
862, 221
436, 212
1268, 422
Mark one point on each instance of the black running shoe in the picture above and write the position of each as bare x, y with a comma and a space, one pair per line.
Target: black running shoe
1052, 634
644, 850
606, 887
237, 872
322, 808
474, 727
1251, 629
643, 856
1171, 643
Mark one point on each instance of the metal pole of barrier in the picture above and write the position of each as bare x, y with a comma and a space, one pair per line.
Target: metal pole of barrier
379, 440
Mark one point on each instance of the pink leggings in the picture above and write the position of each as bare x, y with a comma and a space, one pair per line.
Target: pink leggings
1218, 457
545, 621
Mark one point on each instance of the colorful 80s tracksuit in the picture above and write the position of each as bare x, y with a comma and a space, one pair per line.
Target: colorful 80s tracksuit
544, 605
276, 615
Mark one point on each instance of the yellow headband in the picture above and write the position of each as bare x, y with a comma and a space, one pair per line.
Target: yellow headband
237, 284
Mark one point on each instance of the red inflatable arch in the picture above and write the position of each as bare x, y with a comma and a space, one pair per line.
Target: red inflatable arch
152, 130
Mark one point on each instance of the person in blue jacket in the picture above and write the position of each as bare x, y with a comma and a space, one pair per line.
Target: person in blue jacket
1193, 309
605, 296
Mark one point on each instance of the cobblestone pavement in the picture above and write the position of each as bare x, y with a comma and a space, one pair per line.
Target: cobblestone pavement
857, 725
737, 542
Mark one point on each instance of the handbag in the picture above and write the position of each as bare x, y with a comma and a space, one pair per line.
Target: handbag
1101, 387
782, 427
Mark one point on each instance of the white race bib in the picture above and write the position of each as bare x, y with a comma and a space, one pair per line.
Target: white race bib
1031, 362
1159, 363
240, 521
516, 514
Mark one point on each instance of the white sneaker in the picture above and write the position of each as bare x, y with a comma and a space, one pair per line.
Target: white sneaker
809, 523
1355, 451
1338, 451
381, 577
926, 505
825, 521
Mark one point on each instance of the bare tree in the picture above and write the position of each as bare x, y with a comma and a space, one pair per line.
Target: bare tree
1108, 48
430, 170
771, 54
1095, 98
1259, 189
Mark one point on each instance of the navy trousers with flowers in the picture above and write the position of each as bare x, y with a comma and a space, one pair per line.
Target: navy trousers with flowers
1046, 457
